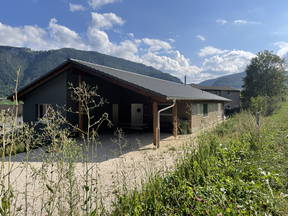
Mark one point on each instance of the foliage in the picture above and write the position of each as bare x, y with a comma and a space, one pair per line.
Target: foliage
264, 104
36, 63
238, 169
183, 127
265, 76
58, 186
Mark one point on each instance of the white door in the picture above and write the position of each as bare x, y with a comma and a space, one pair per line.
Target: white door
136, 114
115, 113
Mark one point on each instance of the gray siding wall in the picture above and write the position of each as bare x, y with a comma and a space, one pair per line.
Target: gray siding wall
53, 92
232, 95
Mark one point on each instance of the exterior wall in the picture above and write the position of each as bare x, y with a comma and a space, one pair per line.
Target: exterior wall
114, 94
232, 95
192, 112
52, 92
199, 120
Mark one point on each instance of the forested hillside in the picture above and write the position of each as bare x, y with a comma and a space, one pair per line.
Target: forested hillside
233, 80
36, 63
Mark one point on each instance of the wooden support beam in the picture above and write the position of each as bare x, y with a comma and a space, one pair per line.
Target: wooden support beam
80, 116
155, 123
175, 120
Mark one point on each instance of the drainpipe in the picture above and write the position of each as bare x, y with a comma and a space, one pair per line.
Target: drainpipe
158, 120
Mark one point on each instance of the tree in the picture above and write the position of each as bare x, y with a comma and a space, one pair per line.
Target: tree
265, 76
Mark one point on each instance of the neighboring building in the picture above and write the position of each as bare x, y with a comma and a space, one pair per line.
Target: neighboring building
134, 100
227, 92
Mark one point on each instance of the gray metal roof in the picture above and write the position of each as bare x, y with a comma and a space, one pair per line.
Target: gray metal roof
169, 90
217, 88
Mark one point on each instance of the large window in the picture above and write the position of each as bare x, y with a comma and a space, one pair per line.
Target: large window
205, 109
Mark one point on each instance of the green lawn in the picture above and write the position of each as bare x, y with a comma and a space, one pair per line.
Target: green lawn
238, 169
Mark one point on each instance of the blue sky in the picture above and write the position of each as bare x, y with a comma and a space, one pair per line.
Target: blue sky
202, 39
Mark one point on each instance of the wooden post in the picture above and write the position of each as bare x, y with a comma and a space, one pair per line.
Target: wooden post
155, 123
80, 115
175, 120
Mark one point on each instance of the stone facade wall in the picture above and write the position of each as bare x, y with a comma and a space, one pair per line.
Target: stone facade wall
193, 112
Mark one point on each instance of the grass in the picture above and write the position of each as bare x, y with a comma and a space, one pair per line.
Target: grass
237, 169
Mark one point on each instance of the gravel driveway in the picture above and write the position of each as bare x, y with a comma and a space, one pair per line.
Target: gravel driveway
130, 164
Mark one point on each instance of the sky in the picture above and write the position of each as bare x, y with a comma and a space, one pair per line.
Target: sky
201, 39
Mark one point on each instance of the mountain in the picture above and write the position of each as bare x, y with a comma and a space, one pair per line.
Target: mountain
33, 64
233, 80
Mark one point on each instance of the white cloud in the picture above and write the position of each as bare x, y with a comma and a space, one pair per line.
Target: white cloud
76, 7
282, 48
244, 22
63, 36
156, 45
106, 20
150, 51
24, 36
131, 35
200, 37
171, 40
221, 21
96, 4
227, 61
176, 64
209, 50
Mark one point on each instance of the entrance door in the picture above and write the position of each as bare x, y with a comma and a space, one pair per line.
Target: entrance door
136, 114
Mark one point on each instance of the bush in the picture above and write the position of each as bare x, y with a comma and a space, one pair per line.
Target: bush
184, 127
264, 104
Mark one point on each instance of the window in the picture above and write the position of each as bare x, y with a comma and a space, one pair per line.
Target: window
41, 110
194, 109
205, 109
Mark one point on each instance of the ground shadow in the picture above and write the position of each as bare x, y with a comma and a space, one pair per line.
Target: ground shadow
107, 147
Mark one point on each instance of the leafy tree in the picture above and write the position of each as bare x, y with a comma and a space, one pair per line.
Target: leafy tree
265, 76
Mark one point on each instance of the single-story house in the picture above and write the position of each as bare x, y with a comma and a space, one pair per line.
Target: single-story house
135, 101
224, 91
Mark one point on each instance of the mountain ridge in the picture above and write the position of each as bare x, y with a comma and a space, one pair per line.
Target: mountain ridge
231, 80
34, 64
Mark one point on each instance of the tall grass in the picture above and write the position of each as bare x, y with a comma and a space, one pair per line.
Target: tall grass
237, 169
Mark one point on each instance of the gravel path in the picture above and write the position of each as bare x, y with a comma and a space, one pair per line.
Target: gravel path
115, 167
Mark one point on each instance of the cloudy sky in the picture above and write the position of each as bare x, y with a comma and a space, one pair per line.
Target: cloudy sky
200, 38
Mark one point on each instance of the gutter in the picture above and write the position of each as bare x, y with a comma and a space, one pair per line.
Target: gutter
158, 120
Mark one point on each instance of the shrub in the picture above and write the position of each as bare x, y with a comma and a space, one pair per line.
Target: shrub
264, 104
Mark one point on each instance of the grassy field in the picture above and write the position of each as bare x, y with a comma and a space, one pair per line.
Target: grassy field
238, 169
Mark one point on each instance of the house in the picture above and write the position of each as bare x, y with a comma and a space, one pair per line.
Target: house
135, 101
227, 92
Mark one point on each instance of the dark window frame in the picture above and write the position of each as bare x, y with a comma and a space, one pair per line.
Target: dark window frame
205, 110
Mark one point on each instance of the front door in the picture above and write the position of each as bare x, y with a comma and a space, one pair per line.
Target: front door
136, 114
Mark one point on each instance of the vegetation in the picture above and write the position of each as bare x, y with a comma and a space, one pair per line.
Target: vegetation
33, 64
265, 82
62, 189
237, 169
